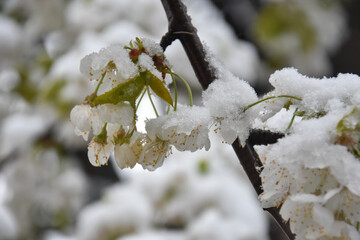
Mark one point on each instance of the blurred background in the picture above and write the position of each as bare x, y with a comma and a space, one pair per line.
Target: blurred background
48, 188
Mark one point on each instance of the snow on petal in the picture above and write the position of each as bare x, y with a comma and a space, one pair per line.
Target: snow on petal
121, 113
153, 48
320, 152
315, 92
227, 100
112, 61
186, 129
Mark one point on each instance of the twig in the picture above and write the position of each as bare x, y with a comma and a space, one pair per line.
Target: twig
181, 28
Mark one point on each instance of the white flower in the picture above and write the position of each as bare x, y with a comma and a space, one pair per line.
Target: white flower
197, 139
154, 153
80, 116
101, 146
314, 179
99, 153
280, 180
186, 129
345, 205
301, 218
124, 156
85, 118
128, 154
276, 181
335, 214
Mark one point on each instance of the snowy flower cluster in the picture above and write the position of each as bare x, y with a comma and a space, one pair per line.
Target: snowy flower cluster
122, 76
313, 172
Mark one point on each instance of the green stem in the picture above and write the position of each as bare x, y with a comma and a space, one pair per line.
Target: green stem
175, 91
133, 105
168, 109
141, 97
292, 119
272, 97
100, 82
129, 135
187, 86
152, 103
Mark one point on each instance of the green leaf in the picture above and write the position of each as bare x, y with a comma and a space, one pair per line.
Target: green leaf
158, 87
102, 137
127, 91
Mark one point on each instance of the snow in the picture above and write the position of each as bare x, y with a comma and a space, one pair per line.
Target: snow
227, 99
315, 93
187, 128
114, 62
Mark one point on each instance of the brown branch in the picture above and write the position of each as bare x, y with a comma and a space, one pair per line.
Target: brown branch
181, 28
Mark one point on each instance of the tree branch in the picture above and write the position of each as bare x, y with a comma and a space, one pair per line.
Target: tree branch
181, 28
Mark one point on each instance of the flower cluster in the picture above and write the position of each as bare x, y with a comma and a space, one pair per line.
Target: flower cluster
122, 75
313, 172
